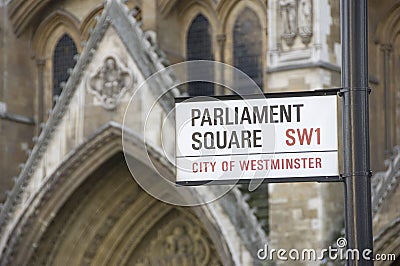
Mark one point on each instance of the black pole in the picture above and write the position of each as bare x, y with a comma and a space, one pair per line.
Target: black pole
355, 92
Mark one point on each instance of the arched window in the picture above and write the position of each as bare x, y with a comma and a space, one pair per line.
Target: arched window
247, 45
247, 56
63, 59
199, 47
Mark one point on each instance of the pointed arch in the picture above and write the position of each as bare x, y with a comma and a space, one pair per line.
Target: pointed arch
94, 167
251, 13
63, 60
199, 39
389, 28
247, 45
22, 12
199, 47
44, 41
51, 29
90, 22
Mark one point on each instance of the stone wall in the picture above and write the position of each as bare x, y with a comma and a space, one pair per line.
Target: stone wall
17, 108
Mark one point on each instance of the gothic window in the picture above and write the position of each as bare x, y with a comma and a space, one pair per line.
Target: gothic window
247, 45
199, 47
247, 56
63, 59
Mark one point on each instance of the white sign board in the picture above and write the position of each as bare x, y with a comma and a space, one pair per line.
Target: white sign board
281, 136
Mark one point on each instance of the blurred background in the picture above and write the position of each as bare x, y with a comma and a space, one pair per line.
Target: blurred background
67, 71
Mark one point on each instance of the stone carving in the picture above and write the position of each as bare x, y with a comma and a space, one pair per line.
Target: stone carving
296, 18
181, 242
289, 20
110, 82
305, 21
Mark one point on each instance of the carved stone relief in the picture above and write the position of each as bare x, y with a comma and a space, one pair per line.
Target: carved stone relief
110, 82
296, 19
181, 242
289, 20
305, 21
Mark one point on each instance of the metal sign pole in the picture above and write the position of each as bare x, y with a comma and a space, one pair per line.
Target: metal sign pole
355, 92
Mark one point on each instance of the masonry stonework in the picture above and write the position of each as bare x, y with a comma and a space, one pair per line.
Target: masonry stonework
300, 51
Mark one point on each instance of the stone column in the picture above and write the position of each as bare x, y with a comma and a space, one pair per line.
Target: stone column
40, 63
387, 102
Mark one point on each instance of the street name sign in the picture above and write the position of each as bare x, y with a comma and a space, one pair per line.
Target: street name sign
278, 137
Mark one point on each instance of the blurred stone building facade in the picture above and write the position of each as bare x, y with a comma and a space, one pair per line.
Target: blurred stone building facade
66, 194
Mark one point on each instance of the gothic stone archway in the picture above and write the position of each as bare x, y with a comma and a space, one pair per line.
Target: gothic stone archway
110, 220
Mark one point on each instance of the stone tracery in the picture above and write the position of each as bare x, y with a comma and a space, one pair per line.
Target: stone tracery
305, 21
181, 242
296, 19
